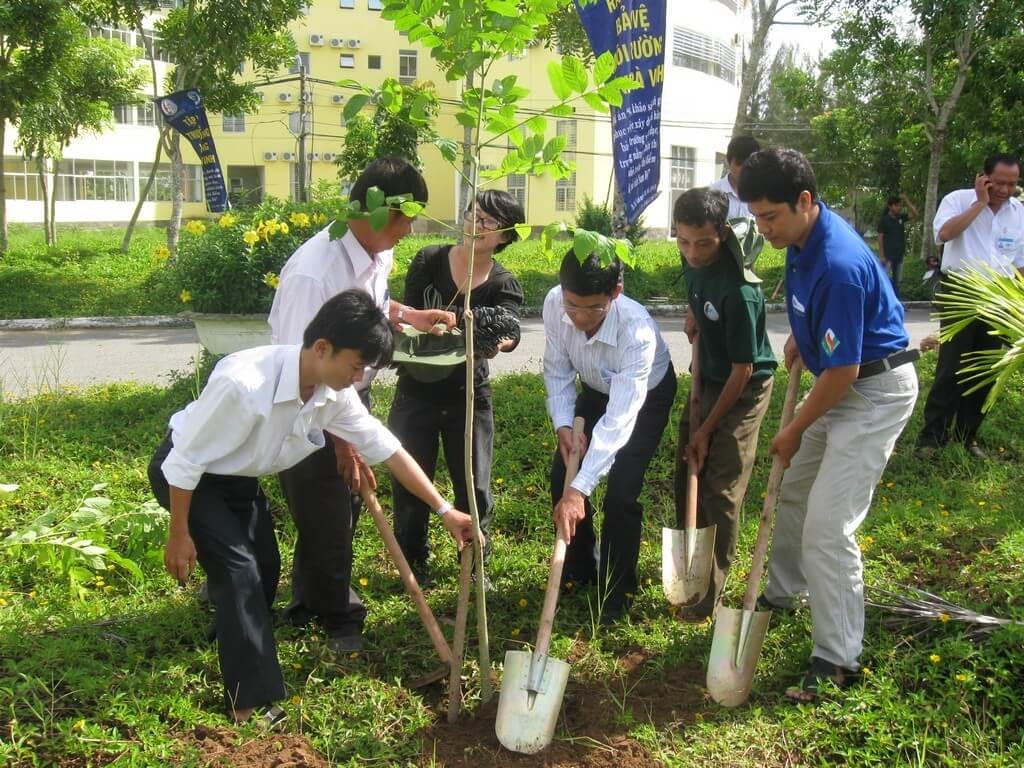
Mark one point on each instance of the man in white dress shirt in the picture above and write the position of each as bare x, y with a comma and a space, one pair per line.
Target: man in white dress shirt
262, 411
595, 333
981, 227
739, 149
324, 514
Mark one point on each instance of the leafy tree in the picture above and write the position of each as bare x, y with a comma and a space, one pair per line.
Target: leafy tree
77, 97
33, 38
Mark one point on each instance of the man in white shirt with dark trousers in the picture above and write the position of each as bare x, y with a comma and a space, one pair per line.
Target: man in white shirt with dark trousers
595, 333
325, 513
262, 411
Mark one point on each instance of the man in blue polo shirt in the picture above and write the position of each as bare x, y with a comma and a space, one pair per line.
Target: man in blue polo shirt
847, 330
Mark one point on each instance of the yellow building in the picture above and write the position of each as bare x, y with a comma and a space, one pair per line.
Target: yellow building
101, 176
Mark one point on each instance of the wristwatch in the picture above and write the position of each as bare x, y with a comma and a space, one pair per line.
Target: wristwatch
401, 314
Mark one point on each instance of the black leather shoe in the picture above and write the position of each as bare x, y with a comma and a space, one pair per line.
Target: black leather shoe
345, 644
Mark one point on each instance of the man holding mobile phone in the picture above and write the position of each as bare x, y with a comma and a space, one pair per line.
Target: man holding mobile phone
980, 227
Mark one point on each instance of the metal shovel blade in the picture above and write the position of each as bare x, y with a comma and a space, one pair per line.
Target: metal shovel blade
735, 648
686, 559
526, 719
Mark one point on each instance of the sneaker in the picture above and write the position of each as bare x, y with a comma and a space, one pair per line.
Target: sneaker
977, 451
342, 645
764, 604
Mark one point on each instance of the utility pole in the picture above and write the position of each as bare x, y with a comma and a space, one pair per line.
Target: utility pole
302, 130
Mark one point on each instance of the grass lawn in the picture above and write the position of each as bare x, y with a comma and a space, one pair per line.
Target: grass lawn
86, 274
99, 666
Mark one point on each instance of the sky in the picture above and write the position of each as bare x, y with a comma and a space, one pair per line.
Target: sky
812, 40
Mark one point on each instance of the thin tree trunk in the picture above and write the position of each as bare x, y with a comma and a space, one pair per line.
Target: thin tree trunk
762, 16
931, 190
3, 192
40, 163
53, 199
177, 193
143, 194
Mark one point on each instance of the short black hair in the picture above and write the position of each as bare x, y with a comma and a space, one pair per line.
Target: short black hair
352, 320
504, 209
590, 277
702, 205
740, 148
778, 176
894, 199
393, 176
1000, 158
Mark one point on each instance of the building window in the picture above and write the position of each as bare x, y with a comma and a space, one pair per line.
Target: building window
684, 161
567, 128
21, 180
704, 54
161, 189
124, 114
295, 126
516, 186
145, 113
565, 193
373, 62
234, 123
114, 33
375, 5
95, 180
347, 61
301, 60
150, 39
406, 66
347, 4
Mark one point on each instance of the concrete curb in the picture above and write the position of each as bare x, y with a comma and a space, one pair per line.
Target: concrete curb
178, 321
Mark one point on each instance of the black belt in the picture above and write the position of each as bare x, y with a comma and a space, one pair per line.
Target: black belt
895, 360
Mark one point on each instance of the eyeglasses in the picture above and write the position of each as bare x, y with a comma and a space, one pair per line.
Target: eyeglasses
571, 309
482, 222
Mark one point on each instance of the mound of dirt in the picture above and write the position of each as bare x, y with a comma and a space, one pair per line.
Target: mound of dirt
224, 747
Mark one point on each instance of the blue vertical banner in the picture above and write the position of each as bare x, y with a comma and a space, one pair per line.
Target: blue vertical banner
184, 112
633, 31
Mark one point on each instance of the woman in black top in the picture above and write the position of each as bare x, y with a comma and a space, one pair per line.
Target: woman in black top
429, 401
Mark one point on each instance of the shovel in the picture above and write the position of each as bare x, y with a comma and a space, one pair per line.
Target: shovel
739, 634
413, 588
687, 555
459, 639
533, 684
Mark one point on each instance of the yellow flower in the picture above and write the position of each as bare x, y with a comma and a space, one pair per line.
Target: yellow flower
354, 655
251, 237
944, 617
363, 582
79, 725
283, 227
890, 484
2, 601
935, 658
195, 227
108, 588
299, 219
523, 602
296, 700
866, 671
32, 595
866, 543
271, 280
515, 631
961, 678
296, 665
186, 296
161, 253
981, 503
227, 220
321, 218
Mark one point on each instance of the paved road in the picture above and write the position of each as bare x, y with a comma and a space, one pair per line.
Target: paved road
33, 361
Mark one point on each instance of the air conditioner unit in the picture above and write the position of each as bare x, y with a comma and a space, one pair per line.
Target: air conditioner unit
337, 99
316, 39
270, 155
288, 156
285, 96
313, 156
328, 157
337, 42
260, 95
353, 43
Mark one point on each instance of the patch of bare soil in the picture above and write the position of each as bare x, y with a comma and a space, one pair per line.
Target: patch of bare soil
594, 723
224, 747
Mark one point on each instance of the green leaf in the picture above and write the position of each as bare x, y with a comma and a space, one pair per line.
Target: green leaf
379, 217
562, 110
354, 84
354, 105
554, 148
448, 148
561, 89
524, 231
537, 125
604, 68
411, 209
465, 119
129, 565
374, 198
337, 229
583, 243
574, 73
595, 102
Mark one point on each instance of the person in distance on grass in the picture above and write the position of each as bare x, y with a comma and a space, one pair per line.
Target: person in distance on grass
847, 330
739, 149
595, 333
737, 366
325, 514
430, 400
262, 411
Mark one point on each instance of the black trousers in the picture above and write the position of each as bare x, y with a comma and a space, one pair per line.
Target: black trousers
422, 425
325, 512
229, 522
948, 411
622, 511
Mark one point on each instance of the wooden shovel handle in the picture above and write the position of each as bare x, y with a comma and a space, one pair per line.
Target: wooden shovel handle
426, 615
459, 639
692, 472
764, 529
547, 614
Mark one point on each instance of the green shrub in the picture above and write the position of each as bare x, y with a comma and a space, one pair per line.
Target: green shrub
597, 217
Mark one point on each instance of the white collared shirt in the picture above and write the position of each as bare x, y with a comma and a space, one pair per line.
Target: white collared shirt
995, 239
625, 359
319, 269
737, 208
249, 420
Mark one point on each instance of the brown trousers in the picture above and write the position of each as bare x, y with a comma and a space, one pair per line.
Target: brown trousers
723, 481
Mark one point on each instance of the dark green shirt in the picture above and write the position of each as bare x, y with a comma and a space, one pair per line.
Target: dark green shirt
731, 318
894, 236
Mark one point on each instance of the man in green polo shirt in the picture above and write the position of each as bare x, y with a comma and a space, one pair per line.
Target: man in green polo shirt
726, 308
892, 236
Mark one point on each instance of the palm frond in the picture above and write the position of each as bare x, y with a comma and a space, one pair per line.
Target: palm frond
921, 609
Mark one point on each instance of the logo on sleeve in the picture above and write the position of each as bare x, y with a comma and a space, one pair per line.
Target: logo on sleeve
800, 309
710, 312
830, 342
